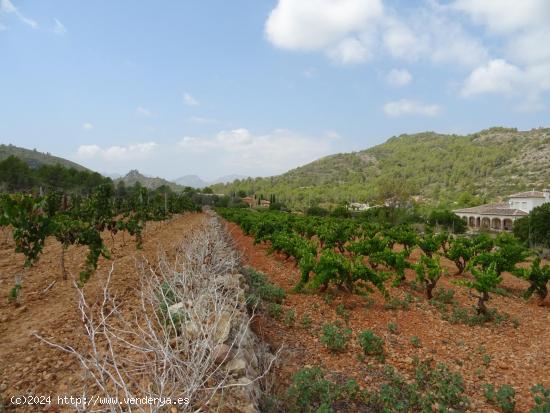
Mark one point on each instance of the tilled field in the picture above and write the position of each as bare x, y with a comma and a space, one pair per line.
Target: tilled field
48, 306
514, 352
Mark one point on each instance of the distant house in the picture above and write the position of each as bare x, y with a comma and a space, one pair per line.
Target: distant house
358, 206
501, 216
249, 201
265, 203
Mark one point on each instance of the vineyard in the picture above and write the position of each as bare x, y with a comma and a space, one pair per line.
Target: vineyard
359, 315
361, 297
77, 220
359, 256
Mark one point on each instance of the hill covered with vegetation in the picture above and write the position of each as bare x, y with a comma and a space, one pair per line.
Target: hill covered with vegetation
134, 176
35, 159
437, 168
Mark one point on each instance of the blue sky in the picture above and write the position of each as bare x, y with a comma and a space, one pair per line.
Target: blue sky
257, 87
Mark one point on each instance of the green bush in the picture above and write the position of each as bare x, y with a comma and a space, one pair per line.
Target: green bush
306, 321
310, 392
392, 327
335, 337
504, 397
541, 396
274, 310
290, 317
271, 293
415, 341
371, 344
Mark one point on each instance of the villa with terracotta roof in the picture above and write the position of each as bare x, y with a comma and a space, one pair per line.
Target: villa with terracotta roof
501, 216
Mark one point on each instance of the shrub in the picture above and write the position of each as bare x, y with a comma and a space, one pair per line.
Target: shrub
335, 337
371, 344
306, 321
310, 392
415, 341
290, 317
271, 293
444, 296
342, 312
392, 327
541, 396
504, 397
275, 310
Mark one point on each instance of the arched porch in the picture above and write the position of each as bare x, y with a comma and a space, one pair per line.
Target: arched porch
496, 224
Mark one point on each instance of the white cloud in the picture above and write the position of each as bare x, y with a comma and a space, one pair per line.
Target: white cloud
432, 35
141, 111
501, 77
59, 28
502, 16
271, 153
530, 47
190, 100
7, 7
401, 41
87, 126
410, 107
349, 50
342, 29
117, 153
352, 31
316, 24
399, 77
498, 76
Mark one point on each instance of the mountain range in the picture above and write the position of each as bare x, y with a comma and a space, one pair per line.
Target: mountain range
194, 181
435, 167
438, 168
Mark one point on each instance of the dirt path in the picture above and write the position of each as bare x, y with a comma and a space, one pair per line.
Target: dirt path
509, 353
26, 365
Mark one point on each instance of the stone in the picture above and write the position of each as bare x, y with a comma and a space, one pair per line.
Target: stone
223, 327
220, 353
176, 308
191, 330
237, 367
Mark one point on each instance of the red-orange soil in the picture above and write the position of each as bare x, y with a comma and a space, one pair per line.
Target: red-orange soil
519, 355
27, 366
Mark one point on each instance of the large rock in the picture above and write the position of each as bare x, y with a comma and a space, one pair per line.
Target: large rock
223, 327
221, 353
237, 367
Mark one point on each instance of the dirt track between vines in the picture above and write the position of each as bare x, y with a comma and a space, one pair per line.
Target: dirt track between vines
28, 366
519, 356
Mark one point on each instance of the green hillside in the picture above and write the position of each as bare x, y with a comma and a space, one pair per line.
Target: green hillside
436, 167
34, 159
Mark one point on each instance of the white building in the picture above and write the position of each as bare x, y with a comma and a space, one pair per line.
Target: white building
501, 216
358, 206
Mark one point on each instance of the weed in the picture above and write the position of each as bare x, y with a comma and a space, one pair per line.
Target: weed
306, 321
541, 396
395, 303
335, 337
371, 344
392, 328
342, 312
415, 341
504, 397
290, 318
271, 293
274, 310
